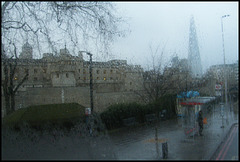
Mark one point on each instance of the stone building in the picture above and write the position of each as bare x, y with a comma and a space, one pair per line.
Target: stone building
64, 78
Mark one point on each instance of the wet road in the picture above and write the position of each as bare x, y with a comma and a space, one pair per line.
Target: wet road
130, 143
133, 143
229, 148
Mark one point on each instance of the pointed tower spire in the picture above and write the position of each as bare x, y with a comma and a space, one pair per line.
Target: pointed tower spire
194, 60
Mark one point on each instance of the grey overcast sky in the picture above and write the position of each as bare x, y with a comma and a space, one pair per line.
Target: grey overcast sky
167, 24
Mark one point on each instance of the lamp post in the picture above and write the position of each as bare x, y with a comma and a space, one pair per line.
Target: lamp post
89, 121
225, 76
91, 85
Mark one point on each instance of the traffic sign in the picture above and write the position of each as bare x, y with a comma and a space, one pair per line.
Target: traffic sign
218, 86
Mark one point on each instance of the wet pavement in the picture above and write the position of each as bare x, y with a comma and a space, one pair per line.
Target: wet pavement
228, 150
129, 143
135, 142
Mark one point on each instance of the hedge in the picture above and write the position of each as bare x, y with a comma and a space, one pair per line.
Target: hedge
113, 116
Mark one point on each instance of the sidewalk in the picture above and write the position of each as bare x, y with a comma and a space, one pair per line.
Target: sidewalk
133, 143
130, 143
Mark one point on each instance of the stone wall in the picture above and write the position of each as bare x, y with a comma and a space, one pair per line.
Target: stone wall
81, 95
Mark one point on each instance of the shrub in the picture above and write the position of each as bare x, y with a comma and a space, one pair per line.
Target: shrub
114, 114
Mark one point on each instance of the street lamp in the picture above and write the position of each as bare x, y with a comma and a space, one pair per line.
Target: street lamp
91, 85
224, 63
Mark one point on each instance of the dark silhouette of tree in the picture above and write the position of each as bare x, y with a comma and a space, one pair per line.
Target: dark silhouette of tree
52, 22
164, 79
55, 22
9, 88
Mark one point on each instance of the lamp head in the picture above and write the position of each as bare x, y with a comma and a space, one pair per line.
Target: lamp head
225, 16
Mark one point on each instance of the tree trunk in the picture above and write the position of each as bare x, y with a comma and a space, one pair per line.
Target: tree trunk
7, 104
12, 102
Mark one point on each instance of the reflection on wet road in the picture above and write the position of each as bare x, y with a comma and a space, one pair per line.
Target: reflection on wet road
130, 143
229, 148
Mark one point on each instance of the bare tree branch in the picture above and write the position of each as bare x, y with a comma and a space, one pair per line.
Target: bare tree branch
79, 21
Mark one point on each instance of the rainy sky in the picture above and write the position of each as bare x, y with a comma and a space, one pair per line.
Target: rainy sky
166, 24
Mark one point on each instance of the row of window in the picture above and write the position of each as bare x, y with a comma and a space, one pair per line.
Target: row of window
35, 71
84, 71
67, 76
97, 71
84, 78
98, 78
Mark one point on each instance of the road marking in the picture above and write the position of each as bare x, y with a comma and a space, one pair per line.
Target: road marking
223, 148
229, 144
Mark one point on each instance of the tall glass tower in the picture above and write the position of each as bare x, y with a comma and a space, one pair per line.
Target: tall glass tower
194, 60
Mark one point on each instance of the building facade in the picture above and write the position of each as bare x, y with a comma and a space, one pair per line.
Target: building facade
194, 59
64, 78
217, 74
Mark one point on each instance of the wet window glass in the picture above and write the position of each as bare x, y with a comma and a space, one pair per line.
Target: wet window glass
119, 80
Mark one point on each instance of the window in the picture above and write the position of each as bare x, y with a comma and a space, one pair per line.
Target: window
35, 78
111, 71
104, 78
84, 71
79, 70
98, 71
35, 71
105, 71
67, 75
57, 75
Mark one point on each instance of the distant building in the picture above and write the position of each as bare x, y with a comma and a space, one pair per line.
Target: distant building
232, 74
194, 60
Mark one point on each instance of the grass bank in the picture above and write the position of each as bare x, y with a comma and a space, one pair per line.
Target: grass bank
46, 113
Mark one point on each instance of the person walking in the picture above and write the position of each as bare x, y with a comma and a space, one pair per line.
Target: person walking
200, 122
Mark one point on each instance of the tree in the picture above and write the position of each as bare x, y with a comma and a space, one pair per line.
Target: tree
163, 79
9, 89
52, 23
55, 23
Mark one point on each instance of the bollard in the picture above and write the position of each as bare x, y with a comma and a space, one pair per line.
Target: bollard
165, 150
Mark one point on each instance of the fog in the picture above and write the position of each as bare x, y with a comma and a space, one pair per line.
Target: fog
167, 24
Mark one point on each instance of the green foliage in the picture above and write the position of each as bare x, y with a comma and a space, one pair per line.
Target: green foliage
167, 102
113, 116
46, 113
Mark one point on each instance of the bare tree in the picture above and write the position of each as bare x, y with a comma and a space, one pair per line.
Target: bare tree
163, 79
57, 22
49, 24
9, 89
